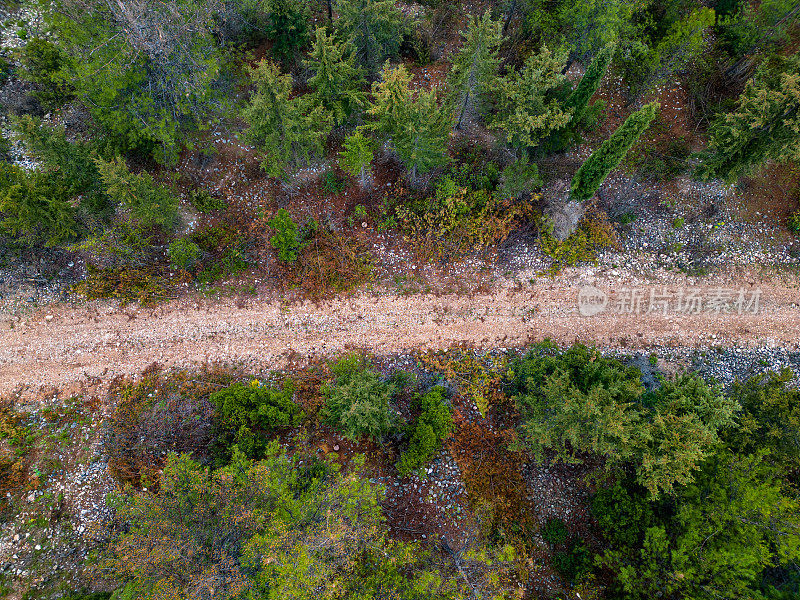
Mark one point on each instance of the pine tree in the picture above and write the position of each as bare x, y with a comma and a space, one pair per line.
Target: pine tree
289, 132
356, 156
528, 107
373, 27
474, 71
418, 128
593, 172
335, 79
764, 126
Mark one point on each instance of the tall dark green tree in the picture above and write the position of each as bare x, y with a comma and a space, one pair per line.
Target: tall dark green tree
374, 27
594, 171
764, 126
474, 72
335, 79
289, 131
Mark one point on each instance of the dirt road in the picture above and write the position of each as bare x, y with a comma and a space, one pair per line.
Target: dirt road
62, 344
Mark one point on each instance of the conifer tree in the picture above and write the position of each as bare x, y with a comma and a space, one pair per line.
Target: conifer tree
764, 126
335, 79
289, 132
592, 24
373, 27
356, 156
418, 128
593, 172
578, 100
528, 107
474, 71
421, 140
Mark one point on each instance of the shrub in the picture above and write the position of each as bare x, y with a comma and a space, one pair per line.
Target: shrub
148, 202
520, 178
183, 254
246, 413
205, 202
287, 237
622, 513
6, 68
432, 427
42, 63
357, 401
554, 532
574, 562
794, 222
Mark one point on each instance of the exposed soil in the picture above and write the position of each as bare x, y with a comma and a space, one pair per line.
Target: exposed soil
62, 344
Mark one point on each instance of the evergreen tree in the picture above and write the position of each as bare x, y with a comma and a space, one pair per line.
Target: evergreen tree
474, 72
591, 25
593, 172
356, 156
528, 108
35, 207
764, 125
374, 29
148, 202
418, 128
289, 132
578, 101
335, 79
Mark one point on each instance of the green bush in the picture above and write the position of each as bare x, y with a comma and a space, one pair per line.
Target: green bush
622, 513
183, 253
794, 222
287, 236
245, 415
42, 63
520, 178
357, 401
6, 68
206, 203
554, 532
575, 562
432, 427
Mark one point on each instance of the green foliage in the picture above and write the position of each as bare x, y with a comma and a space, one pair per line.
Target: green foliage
574, 562
43, 64
734, 521
149, 203
762, 127
183, 253
594, 171
148, 76
247, 413
623, 513
205, 202
5, 148
287, 25
374, 28
6, 69
519, 179
35, 207
769, 420
794, 222
356, 156
357, 401
473, 75
591, 25
555, 532
332, 183
417, 126
426, 435
335, 79
748, 27
287, 240
528, 101
70, 163
579, 401
280, 527
578, 100
289, 131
